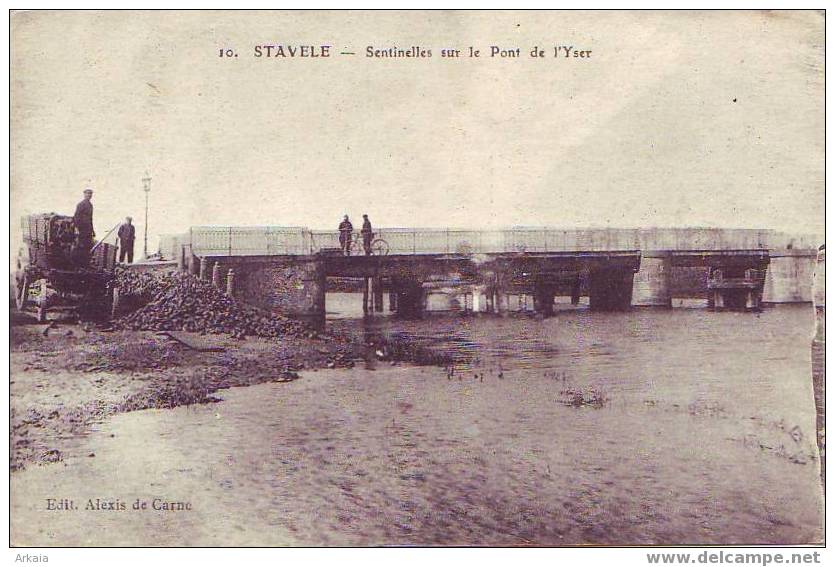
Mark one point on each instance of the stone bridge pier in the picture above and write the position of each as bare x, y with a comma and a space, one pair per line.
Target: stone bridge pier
543, 297
610, 289
652, 284
410, 297
294, 286
789, 277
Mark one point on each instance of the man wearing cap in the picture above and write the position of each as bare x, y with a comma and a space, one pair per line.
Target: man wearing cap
127, 234
83, 220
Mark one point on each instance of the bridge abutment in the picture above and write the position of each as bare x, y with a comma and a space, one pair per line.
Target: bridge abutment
293, 287
652, 284
789, 277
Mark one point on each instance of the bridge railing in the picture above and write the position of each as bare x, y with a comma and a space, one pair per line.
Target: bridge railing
441, 241
323, 239
269, 240
249, 241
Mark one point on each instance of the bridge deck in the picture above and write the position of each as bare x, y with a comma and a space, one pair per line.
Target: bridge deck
719, 258
415, 264
269, 241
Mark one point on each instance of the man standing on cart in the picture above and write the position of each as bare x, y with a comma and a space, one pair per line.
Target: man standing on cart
83, 221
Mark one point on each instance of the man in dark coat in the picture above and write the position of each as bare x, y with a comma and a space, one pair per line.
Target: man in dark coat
346, 230
127, 234
367, 234
83, 221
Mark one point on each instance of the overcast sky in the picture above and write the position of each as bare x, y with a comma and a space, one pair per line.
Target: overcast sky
677, 119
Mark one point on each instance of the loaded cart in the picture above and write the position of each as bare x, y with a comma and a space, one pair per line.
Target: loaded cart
53, 273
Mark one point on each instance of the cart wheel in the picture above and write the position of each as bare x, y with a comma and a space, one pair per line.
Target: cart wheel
21, 292
380, 247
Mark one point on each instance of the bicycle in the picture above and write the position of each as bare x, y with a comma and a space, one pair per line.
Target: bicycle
377, 247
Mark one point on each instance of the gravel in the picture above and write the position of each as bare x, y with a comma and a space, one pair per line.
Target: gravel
183, 302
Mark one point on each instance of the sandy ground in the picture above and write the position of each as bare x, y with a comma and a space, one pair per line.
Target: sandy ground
405, 456
67, 378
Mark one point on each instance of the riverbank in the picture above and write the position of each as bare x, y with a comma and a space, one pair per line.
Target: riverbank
66, 378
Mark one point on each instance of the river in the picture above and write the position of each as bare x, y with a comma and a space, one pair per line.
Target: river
703, 434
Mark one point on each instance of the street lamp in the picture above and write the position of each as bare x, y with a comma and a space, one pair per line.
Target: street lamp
146, 186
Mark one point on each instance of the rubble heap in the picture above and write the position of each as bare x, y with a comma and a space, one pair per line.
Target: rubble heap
182, 302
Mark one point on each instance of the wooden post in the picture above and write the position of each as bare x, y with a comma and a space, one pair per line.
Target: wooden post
752, 301
181, 258
365, 283
114, 305
377, 287
230, 283
23, 292
575, 291
500, 301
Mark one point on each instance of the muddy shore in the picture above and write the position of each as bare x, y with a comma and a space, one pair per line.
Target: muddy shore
66, 378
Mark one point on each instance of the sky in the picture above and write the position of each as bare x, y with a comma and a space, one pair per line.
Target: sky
676, 119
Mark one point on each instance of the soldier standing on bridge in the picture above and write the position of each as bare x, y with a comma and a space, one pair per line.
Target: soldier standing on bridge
346, 230
367, 235
127, 234
83, 221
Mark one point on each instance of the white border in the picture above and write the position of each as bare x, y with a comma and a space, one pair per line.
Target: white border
402, 557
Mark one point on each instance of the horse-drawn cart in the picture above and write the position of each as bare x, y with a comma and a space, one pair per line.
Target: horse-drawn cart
53, 272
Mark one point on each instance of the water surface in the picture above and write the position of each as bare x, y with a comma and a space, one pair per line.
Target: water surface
706, 436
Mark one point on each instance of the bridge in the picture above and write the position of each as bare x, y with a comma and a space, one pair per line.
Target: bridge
286, 268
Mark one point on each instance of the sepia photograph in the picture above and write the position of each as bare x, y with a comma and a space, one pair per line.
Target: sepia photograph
426, 278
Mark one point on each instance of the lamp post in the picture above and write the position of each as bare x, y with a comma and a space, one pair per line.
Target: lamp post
146, 186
